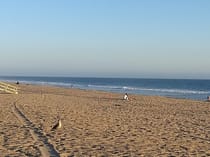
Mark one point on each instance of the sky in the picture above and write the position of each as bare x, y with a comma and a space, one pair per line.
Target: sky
105, 38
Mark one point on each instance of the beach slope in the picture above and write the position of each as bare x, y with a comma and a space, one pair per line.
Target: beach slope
96, 123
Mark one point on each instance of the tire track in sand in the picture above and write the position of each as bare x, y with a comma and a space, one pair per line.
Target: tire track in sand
46, 149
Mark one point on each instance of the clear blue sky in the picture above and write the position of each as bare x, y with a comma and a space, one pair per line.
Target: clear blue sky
105, 38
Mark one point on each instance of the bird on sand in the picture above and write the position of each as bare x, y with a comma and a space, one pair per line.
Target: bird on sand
58, 125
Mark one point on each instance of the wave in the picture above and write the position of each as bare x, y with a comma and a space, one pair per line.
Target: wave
167, 90
162, 90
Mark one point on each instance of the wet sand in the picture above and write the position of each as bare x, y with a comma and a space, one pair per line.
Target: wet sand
96, 123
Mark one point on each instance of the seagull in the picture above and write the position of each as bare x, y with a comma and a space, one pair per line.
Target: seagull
58, 125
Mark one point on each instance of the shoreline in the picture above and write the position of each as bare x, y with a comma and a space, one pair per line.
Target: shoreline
97, 123
102, 90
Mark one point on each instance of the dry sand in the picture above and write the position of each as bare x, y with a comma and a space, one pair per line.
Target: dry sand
101, 124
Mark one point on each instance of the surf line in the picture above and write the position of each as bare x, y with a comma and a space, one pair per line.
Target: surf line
46, 149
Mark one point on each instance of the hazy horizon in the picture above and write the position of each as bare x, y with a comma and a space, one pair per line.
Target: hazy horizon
102, 77
120, 39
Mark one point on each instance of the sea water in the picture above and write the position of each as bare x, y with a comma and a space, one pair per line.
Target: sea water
177, 88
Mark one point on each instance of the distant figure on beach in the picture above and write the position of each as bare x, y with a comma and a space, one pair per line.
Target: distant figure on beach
208, 98
17, 82
125, 96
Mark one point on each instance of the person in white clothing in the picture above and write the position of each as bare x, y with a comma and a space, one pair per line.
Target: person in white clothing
125, 96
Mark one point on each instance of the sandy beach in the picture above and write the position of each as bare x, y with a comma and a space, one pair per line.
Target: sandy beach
101, 124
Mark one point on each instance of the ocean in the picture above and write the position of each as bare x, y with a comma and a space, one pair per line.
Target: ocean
176, 88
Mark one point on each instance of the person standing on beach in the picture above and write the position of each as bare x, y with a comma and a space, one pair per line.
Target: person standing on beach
208, 98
